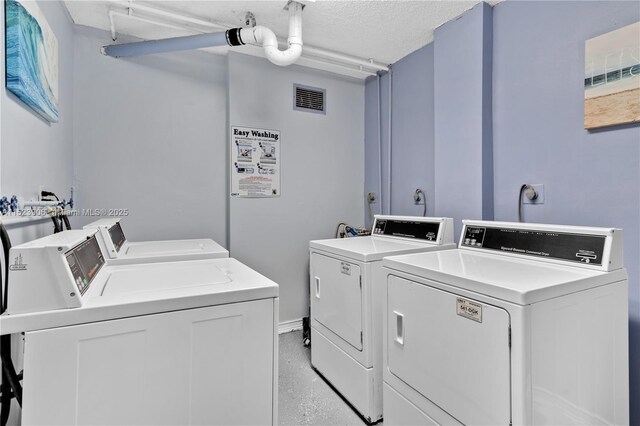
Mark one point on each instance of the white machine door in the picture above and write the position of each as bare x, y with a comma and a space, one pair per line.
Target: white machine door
206, 366
336, 297
453, 350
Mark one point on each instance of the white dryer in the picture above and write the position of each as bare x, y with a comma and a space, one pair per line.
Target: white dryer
118, 250
191, 342
347, 291
522, 324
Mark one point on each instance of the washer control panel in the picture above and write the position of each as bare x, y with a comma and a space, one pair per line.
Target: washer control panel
85, 260
414, 229
117, 236
573, 247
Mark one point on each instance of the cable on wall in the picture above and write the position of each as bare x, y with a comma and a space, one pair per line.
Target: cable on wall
417, 198
530, 193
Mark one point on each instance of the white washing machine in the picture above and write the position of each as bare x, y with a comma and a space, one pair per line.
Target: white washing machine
347, 292
523, 324
120, 251
191, 342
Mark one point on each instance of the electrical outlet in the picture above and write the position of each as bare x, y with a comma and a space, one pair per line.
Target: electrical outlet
372, 197
539, 187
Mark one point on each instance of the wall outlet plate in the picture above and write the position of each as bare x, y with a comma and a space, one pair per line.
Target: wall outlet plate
539, 187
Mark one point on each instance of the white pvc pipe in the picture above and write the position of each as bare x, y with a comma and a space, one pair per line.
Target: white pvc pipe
379, 144
354, 71
113, 13
390, 137
328, 54
311, 51
13, 221
267, 38
39, 204
172, 15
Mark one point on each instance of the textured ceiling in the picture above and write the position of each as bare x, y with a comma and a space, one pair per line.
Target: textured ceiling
382, 30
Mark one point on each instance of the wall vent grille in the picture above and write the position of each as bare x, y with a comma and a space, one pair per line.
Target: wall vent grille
309, 99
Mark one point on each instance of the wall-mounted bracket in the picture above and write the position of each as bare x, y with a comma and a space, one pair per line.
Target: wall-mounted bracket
249, 19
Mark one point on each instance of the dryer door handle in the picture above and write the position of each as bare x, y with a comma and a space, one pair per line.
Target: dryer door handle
317, 279
399, 328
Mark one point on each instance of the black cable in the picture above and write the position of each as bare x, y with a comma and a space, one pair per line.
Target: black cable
9, 369
5, 405
338, 228
5, 387
532, 195
49, 194
65, 220
6, 246
10, 380
424, 200
57, 227
62, 221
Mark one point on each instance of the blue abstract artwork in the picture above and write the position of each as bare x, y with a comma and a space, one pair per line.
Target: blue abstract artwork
31, 58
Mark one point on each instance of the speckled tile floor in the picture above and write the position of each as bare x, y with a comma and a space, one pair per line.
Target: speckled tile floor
304, 397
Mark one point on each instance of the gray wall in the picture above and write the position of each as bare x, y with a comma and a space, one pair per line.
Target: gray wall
371, 150
537, 60
463, 152
412, 132
322, 172
412, 136
590, 178
150, 136
34, 152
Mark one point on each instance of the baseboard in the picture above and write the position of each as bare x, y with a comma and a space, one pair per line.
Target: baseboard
287, 326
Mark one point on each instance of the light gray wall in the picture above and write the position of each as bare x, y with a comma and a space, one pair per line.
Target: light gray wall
590, 178
537, 92
371, 150
34, 152
322, 172
150, 136
412, 140
412, 127
462, 78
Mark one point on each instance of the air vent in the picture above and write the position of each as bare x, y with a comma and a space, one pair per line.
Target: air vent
309, 99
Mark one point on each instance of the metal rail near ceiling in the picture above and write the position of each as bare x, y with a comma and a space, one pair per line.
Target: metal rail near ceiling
311, 54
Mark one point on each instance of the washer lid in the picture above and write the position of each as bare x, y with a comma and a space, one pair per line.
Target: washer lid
372, 248
520, 281
152, 288
172, 247
162, 277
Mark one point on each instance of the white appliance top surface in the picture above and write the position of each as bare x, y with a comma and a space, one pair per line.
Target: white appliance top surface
372, 248
171, 247
68, 238
109, 221
128, 283
122, 291
520, 281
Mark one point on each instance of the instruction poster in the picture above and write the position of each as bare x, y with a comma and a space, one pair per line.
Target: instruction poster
255, 162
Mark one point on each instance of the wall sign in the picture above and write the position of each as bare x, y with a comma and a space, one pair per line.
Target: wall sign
255, 162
